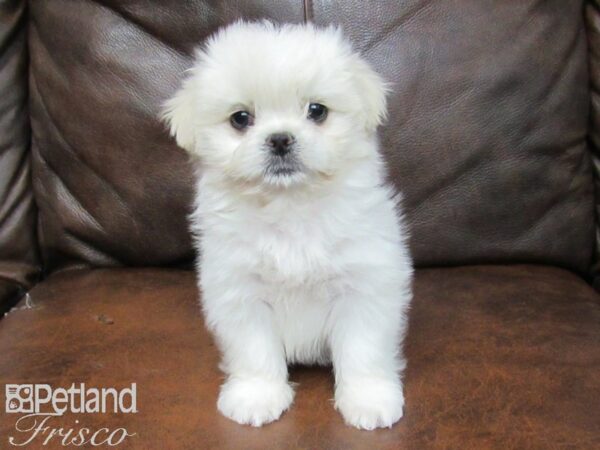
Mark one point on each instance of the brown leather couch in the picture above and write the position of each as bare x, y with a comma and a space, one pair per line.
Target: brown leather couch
492, 138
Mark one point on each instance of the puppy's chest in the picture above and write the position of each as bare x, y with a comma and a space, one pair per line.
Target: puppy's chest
294, 257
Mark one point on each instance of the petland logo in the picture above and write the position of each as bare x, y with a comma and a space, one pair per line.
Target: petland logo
41, 402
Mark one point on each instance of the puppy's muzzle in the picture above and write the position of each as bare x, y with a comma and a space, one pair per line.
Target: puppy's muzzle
280, 144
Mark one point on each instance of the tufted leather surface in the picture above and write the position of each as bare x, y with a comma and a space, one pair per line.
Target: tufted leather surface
18, 250
499, 357
486, 138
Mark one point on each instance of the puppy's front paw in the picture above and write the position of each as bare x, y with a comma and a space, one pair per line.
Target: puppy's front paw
370, 403
254, 401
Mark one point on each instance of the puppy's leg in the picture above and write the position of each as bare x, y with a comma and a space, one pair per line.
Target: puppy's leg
368, 326
256, 390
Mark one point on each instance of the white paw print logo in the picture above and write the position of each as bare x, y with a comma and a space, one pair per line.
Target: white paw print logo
19, 398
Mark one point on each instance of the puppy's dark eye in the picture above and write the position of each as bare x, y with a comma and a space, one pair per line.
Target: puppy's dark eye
317, 112
241, 120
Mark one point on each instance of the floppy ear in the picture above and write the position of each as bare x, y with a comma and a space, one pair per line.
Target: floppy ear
372, 91
179, 112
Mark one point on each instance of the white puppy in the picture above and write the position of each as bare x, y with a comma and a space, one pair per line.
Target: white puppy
302, 253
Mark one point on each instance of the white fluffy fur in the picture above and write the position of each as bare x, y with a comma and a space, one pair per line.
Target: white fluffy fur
310, 268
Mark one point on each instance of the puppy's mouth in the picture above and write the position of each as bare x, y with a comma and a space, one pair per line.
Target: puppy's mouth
283, 170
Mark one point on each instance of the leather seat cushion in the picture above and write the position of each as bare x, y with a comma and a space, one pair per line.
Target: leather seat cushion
502, 357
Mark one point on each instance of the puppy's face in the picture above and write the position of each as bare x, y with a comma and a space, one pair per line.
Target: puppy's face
277, 106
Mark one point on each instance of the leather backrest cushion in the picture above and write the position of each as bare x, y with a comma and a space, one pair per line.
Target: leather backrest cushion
486, 136
593, 30
19, 262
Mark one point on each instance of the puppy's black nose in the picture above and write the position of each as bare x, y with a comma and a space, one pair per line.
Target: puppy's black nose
280, 143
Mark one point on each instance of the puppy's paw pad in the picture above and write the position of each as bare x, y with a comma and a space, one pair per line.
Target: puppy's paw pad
254, 401
369, 404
